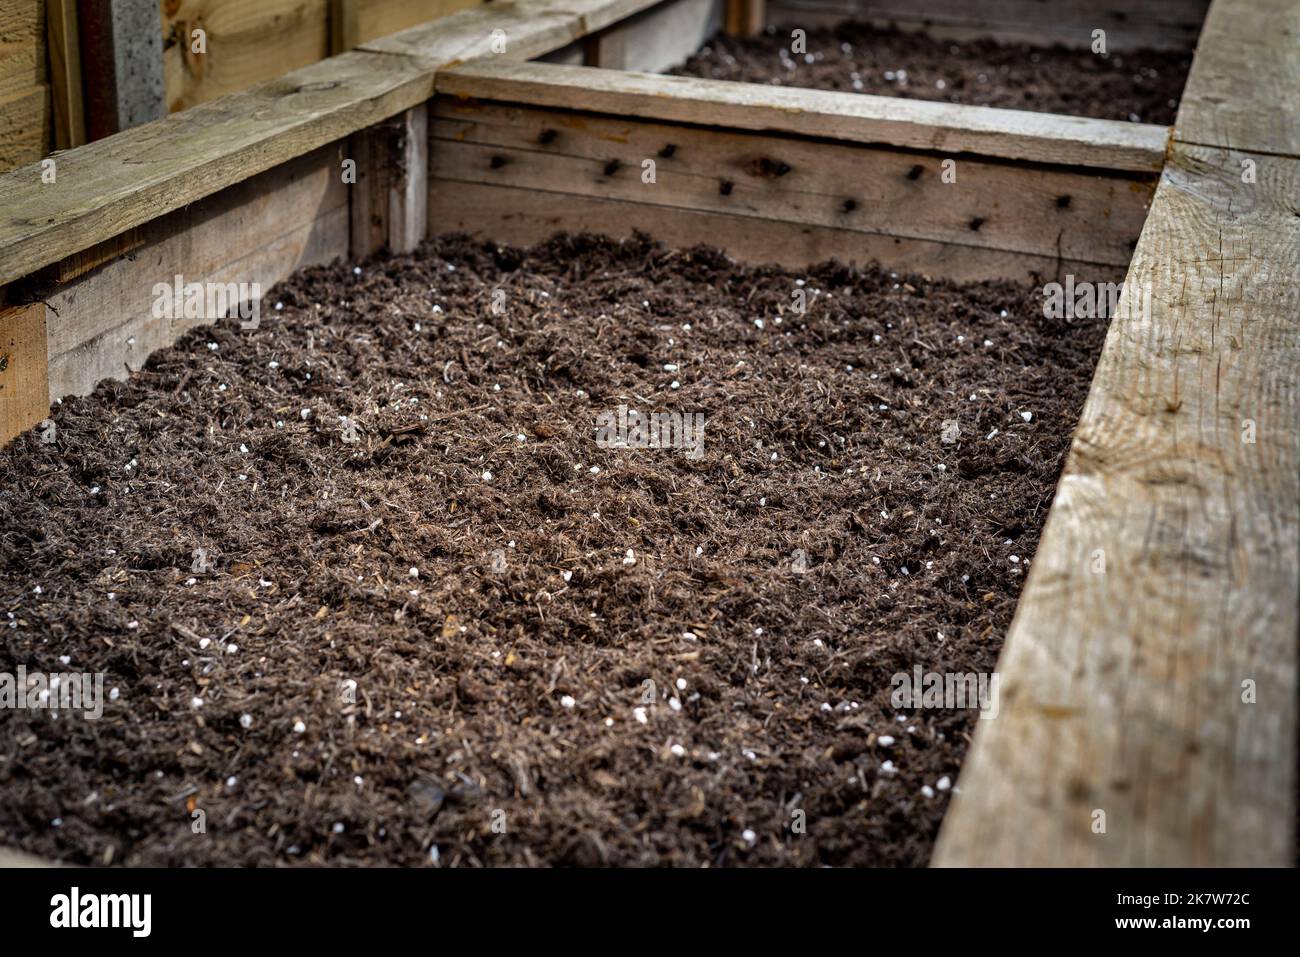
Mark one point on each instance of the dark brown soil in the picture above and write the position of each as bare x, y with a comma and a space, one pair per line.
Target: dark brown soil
1141, 85
823, 433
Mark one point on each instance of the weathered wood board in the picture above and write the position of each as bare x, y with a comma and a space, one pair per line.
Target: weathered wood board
1236, 96
526, 216
1149, 679
892, 121
497, 128
389, 201
356, 21
1163, 593
248, 42
1010, 208
25, 104
102, 324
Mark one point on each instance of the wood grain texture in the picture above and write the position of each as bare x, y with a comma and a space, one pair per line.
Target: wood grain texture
389, 201
24, 399
248, 42
101, 325
1125, 691
1122, 691
527, 28
22, 47
522, 217
112, 185
1245, 82
854, 117
25, 132
1044, 212
357, 21
88, 260
1163, 24
141, 174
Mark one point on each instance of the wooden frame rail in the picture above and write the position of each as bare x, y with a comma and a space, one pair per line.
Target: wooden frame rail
1148, 713
520, 150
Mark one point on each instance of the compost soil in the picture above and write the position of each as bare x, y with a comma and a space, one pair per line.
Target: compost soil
1139, 85
473, 636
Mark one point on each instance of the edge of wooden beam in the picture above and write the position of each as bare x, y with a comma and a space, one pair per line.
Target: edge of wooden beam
511, 31
388, 204
1245, 72
853, 117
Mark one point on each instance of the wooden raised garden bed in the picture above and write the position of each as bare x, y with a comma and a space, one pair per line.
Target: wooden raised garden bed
1150, 670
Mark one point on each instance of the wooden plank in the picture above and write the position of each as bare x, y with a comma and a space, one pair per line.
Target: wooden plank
854, 117
1247, 68
24, 390
389, 201
22, 47
88, 260
1073, 214
1158, 24
368, 197
1123, 690
65, 74
25, 129
144, 173
506, 31
656, 39
525, 216
745, 17
248, 42
260, 230
353, 22
124, 348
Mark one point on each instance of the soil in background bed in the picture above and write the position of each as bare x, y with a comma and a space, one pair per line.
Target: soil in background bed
1139, 85
610, 655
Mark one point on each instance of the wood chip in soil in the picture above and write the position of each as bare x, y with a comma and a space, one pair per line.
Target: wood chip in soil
474, 636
